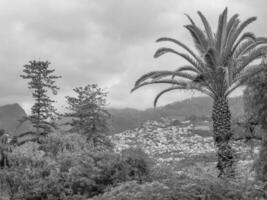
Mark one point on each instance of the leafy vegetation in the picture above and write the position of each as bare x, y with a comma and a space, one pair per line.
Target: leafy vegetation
256, 113
65, 166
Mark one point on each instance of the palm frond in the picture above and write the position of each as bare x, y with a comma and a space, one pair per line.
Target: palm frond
145, 77
165, 91
190, 19
199, 38
188, 86
253, 45
221, 30
163, 50
206, 80
242, 47
203, 90
174, 74
163, 39
167, 81
238, 31
207, 28
246, 36
230, 34
242, 79
231, 23
211, 58
252, 56
162, 74
187, 68
250, 73
156, 75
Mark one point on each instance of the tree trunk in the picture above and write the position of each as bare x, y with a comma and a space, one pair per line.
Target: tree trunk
222, 134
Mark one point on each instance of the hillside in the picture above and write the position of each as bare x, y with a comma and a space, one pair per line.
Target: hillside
182, 147
128, 118
123, 119
9, 118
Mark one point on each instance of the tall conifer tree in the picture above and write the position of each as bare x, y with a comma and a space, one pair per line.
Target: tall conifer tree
87, 109
41, 79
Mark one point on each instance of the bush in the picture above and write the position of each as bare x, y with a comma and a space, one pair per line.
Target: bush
91, 172
135, 164
197, 184
135, 191
32, 179
61, 167
88, 173
261, 163
57, 143
65, 167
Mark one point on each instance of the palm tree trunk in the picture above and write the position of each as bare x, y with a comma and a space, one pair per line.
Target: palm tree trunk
222, 134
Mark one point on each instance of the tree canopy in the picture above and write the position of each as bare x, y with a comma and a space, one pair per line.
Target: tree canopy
87, 110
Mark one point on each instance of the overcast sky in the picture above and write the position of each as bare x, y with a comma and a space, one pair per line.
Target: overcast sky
109, 42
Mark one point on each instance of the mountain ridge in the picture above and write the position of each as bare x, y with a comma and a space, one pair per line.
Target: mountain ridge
130, 118
10, 115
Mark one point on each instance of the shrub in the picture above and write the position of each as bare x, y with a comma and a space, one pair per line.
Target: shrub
57, 142
32, 178
261, 163
135, 191
196, 184
134, 164
61, 167
88, 174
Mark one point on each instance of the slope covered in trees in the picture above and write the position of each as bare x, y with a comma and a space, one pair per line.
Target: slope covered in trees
129, 118
123, 119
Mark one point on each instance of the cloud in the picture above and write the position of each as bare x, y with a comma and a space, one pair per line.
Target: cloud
109, 42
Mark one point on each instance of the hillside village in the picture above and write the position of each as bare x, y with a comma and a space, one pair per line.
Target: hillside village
172, 144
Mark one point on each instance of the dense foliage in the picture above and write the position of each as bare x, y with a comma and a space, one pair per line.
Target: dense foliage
255, 105
255, 98
66, 167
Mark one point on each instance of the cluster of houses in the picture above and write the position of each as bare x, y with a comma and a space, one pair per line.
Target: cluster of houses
167, 142
164, 142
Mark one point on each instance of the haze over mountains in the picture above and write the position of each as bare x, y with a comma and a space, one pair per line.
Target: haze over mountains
128, 118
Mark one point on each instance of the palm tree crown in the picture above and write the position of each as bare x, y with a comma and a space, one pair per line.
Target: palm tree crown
223, 61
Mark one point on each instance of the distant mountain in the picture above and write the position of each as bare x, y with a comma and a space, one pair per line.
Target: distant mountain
127, 118
10, 116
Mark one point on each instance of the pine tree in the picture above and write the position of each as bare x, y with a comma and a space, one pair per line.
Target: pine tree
41, 79
88, 113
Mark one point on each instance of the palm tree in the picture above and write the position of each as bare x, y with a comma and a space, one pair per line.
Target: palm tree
223, 62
